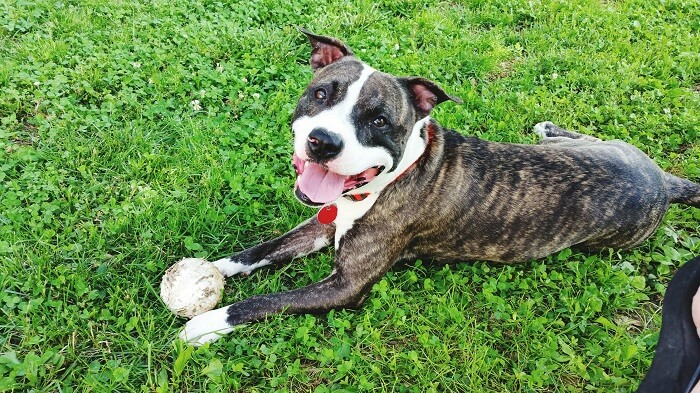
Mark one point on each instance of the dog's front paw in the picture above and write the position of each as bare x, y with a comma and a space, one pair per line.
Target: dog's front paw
238, 265
544, 129
207, 327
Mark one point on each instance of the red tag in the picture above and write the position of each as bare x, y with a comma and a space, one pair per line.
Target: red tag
327, 214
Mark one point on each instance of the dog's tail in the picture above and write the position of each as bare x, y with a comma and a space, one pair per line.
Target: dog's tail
682, 190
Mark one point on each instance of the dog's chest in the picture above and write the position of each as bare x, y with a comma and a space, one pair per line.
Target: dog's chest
349, 211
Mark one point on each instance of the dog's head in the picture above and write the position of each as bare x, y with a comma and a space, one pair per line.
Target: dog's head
356, 129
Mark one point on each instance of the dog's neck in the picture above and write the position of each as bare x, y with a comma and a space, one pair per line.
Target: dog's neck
430, 128
423, 144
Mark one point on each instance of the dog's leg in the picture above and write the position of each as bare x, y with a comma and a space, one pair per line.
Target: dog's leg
552, 133
682, 190
333, 292
306, 238
357, 268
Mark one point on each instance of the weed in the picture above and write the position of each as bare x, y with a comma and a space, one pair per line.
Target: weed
136, 133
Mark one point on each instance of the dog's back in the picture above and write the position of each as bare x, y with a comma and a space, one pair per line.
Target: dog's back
522, 202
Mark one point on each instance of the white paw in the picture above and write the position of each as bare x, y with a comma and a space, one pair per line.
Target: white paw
230, 267
541, 128
207, 327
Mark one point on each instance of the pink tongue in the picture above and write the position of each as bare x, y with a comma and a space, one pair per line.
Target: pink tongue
320, 185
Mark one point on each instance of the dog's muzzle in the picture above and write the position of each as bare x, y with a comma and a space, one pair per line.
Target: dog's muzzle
323, 145
316, 185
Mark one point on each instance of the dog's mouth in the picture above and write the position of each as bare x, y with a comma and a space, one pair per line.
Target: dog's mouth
316, 185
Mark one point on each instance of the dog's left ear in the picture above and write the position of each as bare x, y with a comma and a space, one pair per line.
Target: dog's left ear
325, 50
426, 95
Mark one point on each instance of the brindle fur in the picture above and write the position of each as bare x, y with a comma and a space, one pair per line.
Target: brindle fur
466, 199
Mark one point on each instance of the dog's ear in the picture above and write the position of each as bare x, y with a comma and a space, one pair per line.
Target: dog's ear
325, 50
426, 95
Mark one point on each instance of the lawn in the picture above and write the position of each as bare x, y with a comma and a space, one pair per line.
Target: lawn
133, 134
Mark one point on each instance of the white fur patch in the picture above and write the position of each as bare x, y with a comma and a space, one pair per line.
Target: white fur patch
348, 212
207, 327
319, 243
229, 267
541, 128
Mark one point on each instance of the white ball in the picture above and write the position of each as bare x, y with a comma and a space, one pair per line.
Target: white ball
191, 287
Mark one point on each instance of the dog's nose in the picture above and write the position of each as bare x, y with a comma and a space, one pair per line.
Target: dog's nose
323, 144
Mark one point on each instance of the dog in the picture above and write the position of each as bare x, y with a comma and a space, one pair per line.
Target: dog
392, 185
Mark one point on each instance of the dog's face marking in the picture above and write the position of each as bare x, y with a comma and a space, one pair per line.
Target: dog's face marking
370, 117
334, 82
338, 116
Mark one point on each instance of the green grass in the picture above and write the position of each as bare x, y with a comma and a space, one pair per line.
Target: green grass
108, 175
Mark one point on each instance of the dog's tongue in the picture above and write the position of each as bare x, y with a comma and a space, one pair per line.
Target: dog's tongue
320, 185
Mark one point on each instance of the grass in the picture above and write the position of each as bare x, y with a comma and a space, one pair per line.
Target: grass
136, 133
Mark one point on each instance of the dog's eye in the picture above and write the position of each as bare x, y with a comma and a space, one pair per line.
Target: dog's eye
380, 122
320, 94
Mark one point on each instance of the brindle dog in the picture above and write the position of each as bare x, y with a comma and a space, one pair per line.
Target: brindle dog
393, 184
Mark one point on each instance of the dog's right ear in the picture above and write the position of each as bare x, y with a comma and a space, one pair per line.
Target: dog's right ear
325, 50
